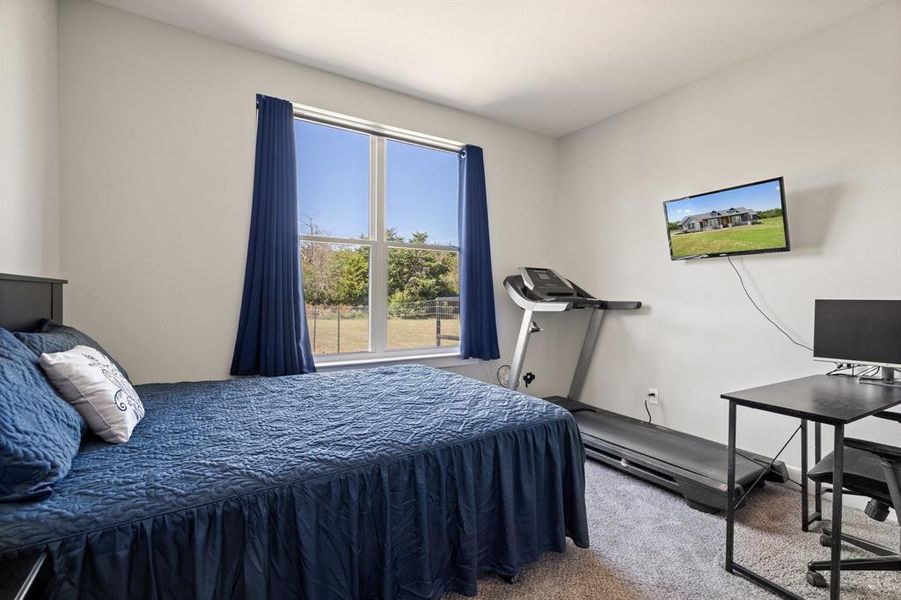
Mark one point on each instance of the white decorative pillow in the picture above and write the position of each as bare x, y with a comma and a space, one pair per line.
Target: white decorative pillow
90, 382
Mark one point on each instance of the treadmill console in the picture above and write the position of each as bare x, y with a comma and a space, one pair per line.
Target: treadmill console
546, 283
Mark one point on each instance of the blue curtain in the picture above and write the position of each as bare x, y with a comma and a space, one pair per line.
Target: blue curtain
478, 328
272, 333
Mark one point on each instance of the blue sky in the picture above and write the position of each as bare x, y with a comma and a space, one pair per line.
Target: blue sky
333, 185
332, 179
422, 191
758, 197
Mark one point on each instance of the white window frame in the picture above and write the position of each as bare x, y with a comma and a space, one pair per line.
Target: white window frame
378, 244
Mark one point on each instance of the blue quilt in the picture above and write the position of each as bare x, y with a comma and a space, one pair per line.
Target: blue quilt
396, 482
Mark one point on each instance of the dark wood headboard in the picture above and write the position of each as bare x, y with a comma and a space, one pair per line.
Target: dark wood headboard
25, 301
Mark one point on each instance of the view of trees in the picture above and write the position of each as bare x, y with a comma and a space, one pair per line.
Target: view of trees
338, 274
415, 275
772, 212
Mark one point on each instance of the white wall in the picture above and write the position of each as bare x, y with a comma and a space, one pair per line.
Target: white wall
157, 130
29, 181
824, 112
157, 144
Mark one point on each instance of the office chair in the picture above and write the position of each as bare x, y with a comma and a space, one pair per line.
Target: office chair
872, 470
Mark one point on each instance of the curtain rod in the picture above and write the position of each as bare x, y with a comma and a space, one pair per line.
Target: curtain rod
326, 117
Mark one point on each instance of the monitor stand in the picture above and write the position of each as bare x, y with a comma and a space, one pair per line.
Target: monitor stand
886, 378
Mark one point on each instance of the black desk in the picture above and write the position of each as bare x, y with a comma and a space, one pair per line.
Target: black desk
16, 576
835, 401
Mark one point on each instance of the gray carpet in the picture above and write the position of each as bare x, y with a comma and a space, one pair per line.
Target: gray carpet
646, 543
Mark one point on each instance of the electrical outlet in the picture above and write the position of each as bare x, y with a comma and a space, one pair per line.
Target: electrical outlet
653, 396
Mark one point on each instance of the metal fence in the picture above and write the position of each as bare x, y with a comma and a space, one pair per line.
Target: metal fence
439, 309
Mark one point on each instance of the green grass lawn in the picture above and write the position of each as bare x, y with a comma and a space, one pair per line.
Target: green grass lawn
769, 233
402, 333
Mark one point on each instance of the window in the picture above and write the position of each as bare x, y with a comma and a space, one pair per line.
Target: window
378, 243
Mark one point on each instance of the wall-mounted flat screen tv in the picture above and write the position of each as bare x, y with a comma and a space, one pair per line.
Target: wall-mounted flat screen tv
745, 219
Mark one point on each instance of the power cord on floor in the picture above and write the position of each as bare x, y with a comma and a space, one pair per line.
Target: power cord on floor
769, 467
501, 379
760, 310
646, 409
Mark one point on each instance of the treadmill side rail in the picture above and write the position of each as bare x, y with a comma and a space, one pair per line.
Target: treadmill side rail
694, 467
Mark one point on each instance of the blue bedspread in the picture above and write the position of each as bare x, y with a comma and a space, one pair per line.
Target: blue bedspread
396, 482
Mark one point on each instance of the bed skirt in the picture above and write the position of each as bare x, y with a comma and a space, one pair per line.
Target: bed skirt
413, 527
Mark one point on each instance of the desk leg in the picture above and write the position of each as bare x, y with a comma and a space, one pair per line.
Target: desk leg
838, 480
730, 490
817, 457
805, 501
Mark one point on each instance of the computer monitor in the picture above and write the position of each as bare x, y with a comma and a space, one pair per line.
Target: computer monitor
864, 332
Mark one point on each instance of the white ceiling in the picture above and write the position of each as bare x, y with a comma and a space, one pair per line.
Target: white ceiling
551, 66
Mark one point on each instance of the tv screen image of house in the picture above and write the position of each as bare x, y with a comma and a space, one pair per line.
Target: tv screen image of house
745, 219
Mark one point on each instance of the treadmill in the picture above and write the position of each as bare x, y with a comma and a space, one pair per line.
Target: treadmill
686, 464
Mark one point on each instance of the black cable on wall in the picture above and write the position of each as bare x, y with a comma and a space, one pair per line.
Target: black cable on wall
760, 310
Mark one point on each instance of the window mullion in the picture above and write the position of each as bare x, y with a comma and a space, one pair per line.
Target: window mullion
378, 280
413, 246
327, 239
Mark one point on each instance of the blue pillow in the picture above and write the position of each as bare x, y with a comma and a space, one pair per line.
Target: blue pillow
39, 432
52, 338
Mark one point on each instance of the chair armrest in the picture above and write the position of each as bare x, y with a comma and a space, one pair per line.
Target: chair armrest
888, 453
889, 415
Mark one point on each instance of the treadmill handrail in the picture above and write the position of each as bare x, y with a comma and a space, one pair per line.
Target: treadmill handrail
605, 304
517, 289
621, 304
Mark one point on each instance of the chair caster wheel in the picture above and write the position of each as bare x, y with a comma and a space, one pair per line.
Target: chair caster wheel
825, 540
816, 579
511, 579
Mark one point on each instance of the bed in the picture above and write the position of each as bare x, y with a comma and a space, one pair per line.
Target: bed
393, 482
